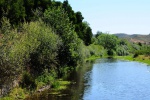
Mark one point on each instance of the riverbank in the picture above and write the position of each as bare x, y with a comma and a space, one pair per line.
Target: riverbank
56, 85
71, 91
92, 58
20, 93
140, 58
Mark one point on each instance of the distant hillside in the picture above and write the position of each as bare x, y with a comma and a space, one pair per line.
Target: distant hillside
121, 35
136, 38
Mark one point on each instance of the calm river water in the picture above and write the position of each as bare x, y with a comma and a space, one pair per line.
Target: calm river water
105, 79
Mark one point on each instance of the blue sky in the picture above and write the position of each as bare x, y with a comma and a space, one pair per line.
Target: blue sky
115, 16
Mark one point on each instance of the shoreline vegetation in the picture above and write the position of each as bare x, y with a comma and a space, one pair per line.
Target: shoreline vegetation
61, 84
42, 41
141, 58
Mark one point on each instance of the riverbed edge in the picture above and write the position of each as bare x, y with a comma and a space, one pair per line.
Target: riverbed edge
140, 58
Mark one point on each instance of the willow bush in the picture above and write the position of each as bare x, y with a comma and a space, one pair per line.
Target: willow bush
44, 55
9, 68
34, 49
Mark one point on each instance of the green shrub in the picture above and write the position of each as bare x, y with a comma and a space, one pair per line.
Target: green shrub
55, 84
111, 52
6, 26
28, 81
108, 41
15, 94
122, 50
6, 98
45, 78
10, 66
95, 50
45, 54
135, 55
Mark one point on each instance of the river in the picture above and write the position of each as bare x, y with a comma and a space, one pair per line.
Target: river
105, 79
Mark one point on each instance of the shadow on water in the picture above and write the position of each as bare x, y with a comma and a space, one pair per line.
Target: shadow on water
106, 60
74, 91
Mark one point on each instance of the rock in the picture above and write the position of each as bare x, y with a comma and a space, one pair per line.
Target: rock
44, 88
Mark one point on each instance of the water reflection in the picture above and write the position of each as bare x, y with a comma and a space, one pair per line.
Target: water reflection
74, 90
112, 79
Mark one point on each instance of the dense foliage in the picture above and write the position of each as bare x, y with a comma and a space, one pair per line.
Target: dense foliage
120, 47
41, 40
109, 42
19, 11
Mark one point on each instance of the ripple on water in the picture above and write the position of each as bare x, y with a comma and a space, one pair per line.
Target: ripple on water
117, 80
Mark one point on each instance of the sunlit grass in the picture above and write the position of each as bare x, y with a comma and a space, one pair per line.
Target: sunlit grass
92, 58
140, 58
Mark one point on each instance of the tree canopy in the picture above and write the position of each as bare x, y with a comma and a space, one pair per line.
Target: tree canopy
19, 11
108, 41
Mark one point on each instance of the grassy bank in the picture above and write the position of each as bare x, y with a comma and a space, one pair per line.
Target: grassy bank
19, 93
140, 58
92, 58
